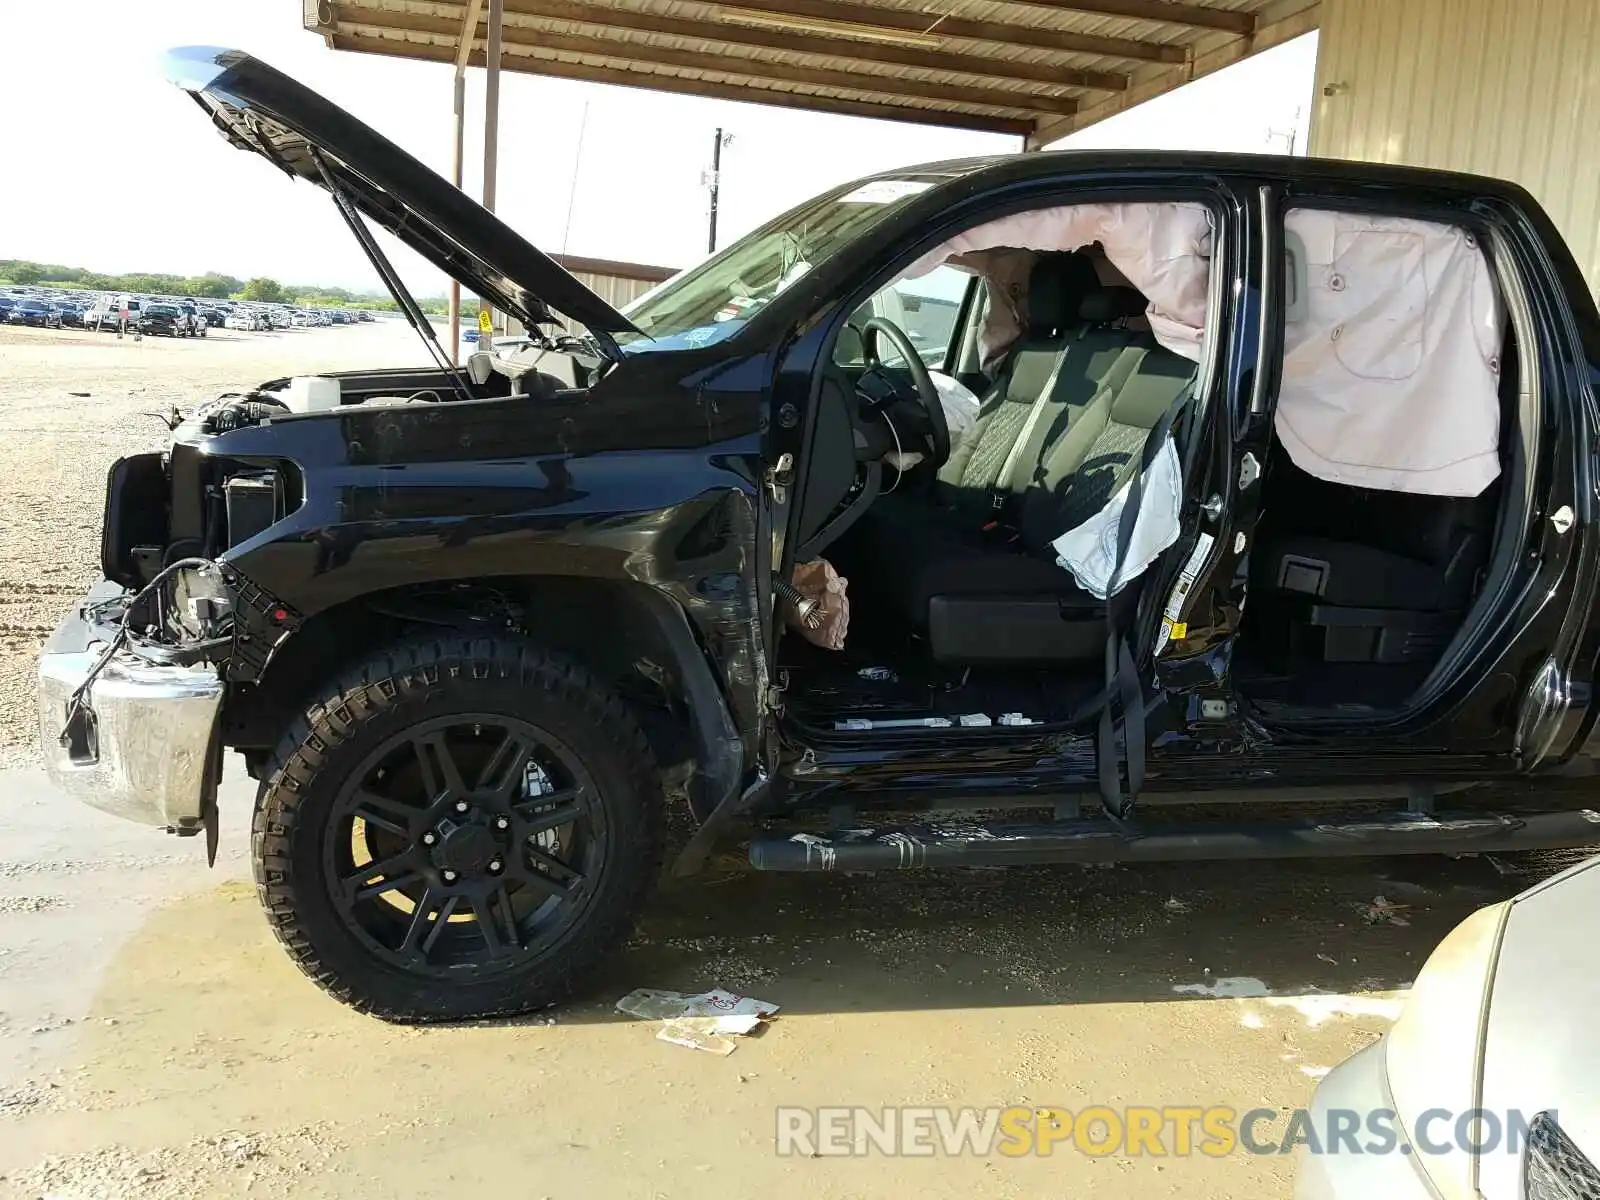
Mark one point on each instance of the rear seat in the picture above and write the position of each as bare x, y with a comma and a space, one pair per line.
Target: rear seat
1361, 575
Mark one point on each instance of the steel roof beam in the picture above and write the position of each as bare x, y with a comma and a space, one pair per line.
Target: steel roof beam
748, 94
695, 60
520, 14
1194, 16
864, 17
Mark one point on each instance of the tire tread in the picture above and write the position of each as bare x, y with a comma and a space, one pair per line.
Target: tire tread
411, 675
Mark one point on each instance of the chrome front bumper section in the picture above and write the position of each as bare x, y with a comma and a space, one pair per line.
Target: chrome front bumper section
152, 747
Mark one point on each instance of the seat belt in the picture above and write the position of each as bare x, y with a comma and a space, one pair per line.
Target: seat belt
1000, 490
1122, 669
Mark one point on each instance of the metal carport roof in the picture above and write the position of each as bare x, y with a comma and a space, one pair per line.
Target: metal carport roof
1041, 69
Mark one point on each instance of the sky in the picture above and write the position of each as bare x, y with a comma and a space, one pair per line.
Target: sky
602, 171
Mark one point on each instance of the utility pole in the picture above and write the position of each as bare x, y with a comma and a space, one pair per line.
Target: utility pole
1290, 136
714, 181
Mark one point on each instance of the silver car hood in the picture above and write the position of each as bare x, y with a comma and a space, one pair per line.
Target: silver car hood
1541, 1041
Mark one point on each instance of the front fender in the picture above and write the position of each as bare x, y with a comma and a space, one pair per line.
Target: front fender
682, 523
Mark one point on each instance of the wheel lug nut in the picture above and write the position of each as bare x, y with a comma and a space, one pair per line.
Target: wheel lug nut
503, 823
494, 867
448, 876
461, 806
429, 838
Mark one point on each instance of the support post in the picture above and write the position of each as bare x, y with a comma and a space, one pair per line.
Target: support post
455, 178
491, 140
469, 32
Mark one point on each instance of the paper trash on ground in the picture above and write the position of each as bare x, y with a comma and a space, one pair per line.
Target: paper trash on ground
701, 1021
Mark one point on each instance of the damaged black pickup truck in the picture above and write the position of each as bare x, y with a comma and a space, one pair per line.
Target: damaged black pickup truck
984, 512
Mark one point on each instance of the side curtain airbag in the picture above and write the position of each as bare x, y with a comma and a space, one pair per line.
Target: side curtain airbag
1391, 369
1162, 249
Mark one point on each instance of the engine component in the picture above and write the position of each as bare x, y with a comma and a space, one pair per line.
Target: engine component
238, 414
252, 504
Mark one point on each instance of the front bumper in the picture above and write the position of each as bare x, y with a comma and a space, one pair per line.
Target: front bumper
1358, 1086
152, 752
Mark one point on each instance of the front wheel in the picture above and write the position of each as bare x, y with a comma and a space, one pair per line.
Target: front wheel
458, 828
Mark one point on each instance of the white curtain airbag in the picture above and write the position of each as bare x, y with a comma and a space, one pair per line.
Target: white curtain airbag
1391, 380
1163, 249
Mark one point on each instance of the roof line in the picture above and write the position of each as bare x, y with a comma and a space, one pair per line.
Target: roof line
641, 272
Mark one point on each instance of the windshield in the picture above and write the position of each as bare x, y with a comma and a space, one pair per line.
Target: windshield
162, 310
714, 300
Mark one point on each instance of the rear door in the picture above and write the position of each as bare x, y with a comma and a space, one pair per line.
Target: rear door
1512, 686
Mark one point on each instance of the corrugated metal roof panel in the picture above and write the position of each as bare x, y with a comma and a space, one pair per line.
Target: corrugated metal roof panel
1041, 67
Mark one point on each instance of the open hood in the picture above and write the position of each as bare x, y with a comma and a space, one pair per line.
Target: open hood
263, 110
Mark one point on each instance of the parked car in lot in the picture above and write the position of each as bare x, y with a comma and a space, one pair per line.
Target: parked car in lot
168, 320
7, 303
195, 323
1239, 478
34, 312
71, 313
113, 312
1499, 1022
243, 318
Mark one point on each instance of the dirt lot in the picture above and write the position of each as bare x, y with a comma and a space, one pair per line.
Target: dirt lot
154, 1041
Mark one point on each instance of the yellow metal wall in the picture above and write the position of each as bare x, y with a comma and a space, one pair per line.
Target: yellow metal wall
1509, 88
613, 289
616, 290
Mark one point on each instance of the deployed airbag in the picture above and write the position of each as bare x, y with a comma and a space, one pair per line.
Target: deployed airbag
1391, 368
1089, 550
1163, 249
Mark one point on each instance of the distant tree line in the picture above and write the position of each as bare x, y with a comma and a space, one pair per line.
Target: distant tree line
212, 285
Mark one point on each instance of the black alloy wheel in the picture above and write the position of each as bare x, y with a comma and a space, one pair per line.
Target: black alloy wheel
465, 842
458, 828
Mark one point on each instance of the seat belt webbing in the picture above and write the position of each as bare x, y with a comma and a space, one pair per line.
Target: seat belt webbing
1123, 685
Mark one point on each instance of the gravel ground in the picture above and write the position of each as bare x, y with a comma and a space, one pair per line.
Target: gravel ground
71, 402
155, 1042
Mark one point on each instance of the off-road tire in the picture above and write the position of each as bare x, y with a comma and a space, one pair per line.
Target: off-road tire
426, 679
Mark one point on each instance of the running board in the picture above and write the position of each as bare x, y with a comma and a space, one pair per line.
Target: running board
1002, 844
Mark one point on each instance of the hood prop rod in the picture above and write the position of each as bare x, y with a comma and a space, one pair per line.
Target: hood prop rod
391, 278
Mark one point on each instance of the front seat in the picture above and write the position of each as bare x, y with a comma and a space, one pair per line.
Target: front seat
1028, 382
1021, 608
996, 597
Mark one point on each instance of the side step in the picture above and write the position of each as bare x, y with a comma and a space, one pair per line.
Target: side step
1003, 844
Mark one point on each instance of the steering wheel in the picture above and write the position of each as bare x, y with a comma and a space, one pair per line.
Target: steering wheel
938, 428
